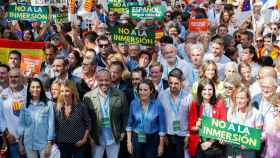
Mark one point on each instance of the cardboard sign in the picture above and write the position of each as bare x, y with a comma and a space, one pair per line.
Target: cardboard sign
146, 12
132, 36
32, 54
198, 25
231, 133
30, 13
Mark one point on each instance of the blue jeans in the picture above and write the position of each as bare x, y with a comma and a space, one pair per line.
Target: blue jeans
147, 149
68, 150
112, 151
14, 150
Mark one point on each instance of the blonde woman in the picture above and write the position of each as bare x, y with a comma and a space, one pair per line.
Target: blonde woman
230, 84
243, 113
72, 122
55, 91
209, 71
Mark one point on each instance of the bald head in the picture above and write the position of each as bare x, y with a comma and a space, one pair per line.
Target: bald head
102, 73
267, 71
104, 80
15, 78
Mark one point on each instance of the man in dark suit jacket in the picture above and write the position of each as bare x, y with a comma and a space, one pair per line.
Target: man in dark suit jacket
109, 112
60, 68
50, 52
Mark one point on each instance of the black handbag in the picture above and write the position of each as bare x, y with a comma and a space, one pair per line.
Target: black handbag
216, 150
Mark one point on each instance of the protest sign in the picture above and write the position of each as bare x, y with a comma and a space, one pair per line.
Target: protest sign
86, 9
132, 36
23, 2
60, 16
57, 3
198, 25
121, 6
146, 12
32, 54
30, 13
231, 132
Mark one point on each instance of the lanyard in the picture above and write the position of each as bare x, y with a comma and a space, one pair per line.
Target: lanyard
135, 94
194, 76
105, 106
159, 87
175, 107
227, 102
144, 115
207, 110
166, 69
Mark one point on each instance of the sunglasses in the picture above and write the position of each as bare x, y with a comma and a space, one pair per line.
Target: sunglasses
103, 45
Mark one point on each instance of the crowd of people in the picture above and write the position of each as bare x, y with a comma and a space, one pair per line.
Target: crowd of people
95, 98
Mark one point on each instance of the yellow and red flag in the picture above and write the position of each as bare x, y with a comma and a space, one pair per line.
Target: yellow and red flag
32, 53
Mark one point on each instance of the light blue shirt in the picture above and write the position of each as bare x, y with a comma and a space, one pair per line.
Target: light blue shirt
106, 136
37, 125
182, 105
149, 122
182, 53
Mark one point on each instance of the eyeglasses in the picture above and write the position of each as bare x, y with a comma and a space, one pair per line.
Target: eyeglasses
259, 40
103, 45
112, 14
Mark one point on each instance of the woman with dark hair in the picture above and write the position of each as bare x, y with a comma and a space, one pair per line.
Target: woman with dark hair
74, 59
38, 113
72, 122
146, 123
206, 105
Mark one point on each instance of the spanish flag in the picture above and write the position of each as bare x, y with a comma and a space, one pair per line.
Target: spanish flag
31, 53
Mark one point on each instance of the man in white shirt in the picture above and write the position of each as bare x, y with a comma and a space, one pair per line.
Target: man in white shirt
13, 100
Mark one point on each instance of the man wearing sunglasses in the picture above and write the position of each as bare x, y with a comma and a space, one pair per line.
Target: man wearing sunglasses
104, 47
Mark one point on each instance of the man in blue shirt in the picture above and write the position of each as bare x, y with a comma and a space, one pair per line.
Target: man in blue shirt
175, 101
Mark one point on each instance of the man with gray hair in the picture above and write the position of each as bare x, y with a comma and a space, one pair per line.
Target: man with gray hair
266, 71
196, 56
171, 60
262, 101
12, 100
